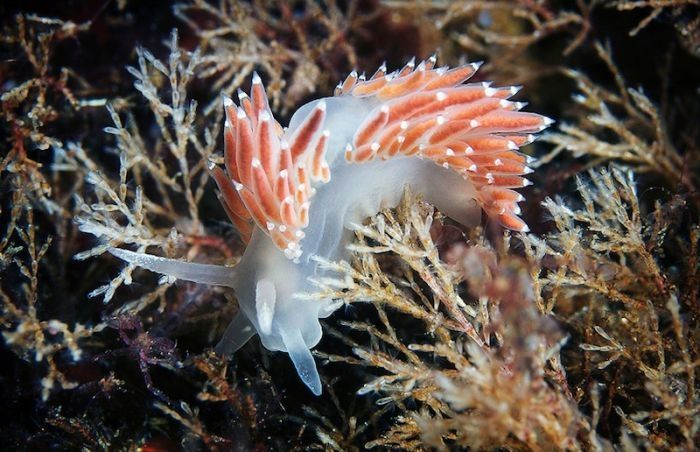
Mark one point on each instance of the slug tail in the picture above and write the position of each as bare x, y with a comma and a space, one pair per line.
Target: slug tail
303, 359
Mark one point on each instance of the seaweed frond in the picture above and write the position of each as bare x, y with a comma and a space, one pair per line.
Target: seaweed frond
581, 335
451, 363
625, 126
302, 48
162, 210
36, 94
685, 13
500, 31
634, 317
26, 331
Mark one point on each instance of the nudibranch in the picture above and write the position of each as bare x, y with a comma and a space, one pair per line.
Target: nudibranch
296, 193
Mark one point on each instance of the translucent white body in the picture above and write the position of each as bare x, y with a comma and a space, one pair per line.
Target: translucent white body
265, 281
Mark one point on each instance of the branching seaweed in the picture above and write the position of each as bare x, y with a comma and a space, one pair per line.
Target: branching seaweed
623, 125
237, 37
162, 211
29, 106
33, 338
582, 336
485, 360
688, 30
610, 285
500, 31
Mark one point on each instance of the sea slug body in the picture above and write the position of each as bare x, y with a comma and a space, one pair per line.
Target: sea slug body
296, 193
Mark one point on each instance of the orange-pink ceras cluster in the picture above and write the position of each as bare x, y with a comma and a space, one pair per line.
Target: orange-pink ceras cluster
268, 179
422, 111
